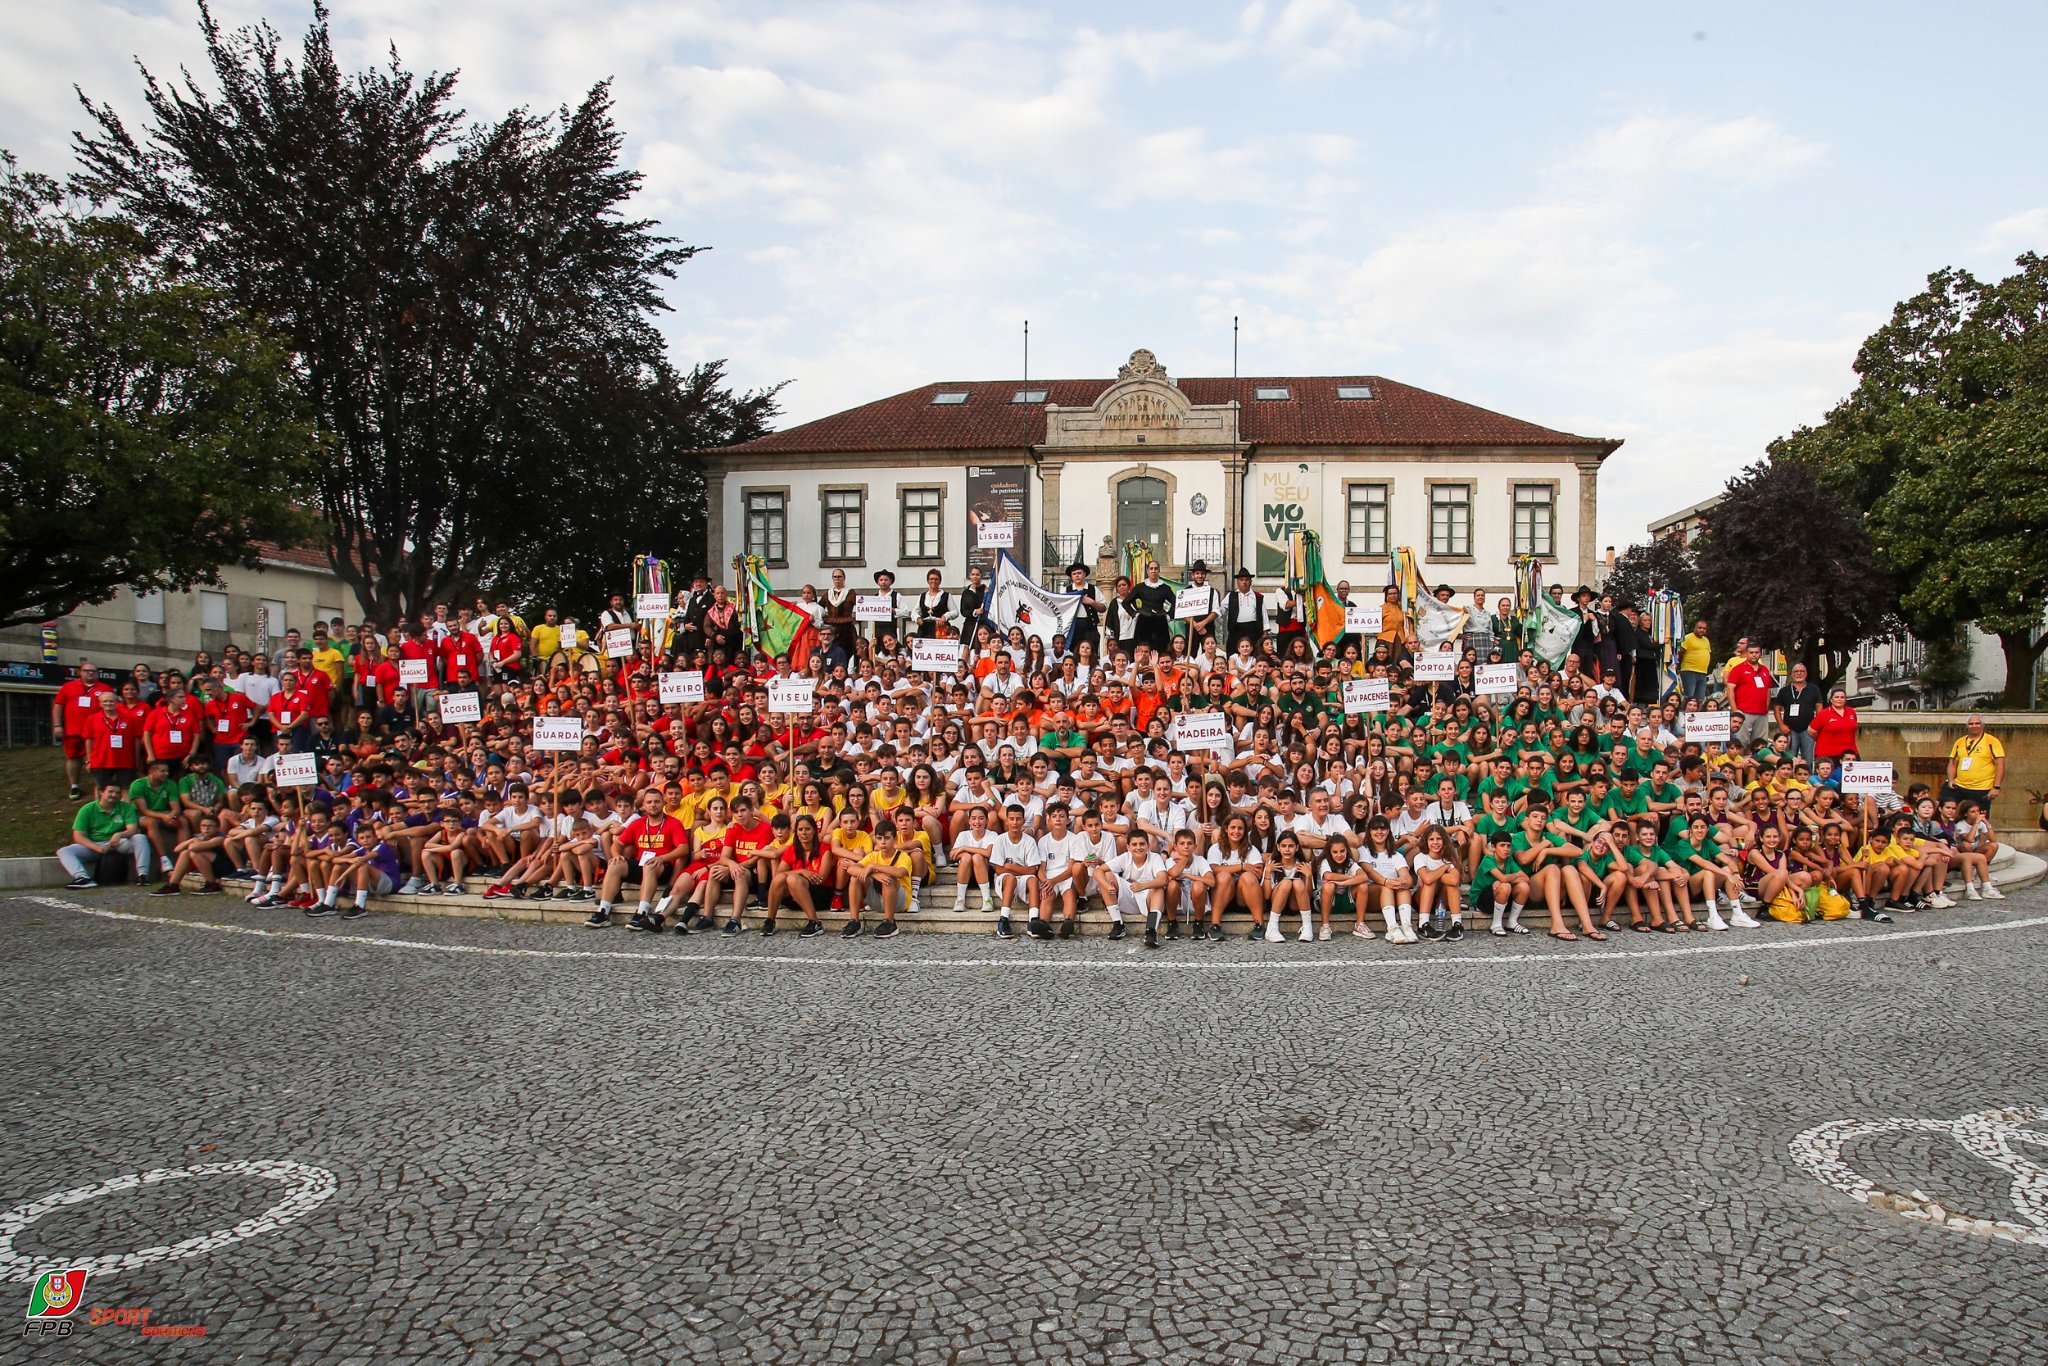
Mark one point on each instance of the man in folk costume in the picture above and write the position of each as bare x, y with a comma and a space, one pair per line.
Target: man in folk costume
934, 609
885, 586
839, 618
1202, 626
1087, 621
1123, 616
615, 613
1244, 614
691, 604
1586, 645
1154, 602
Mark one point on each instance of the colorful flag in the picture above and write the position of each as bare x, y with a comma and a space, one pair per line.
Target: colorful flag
1550, 631
775, 625
1404, 576
1322, 613
1014, 600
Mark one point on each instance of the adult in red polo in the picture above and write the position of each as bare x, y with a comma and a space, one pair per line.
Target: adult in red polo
417, 647
227, 715
75, 704
1749, 695
175, 728
291, 711
462, 659
113, 742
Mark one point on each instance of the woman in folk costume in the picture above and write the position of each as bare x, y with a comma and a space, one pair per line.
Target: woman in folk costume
839, 617
934, 609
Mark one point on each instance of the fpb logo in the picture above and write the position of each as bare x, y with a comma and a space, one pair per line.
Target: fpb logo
57, 1294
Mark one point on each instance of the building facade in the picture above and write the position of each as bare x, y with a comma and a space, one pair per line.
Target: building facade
1222, 470
287, 588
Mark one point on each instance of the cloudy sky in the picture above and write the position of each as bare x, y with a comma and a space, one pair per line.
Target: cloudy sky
1670, 222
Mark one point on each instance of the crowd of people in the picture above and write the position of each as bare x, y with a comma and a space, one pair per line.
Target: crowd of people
1046, 773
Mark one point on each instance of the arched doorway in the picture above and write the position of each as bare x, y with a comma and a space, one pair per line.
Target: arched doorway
1141, 514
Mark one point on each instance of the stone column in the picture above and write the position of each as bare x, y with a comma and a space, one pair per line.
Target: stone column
1233, 514
1049, 472
715, 554
1589, 519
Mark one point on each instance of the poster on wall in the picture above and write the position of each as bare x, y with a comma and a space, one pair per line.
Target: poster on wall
997, 495
1282, 494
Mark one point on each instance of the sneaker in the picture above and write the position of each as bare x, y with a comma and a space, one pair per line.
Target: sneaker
209, 889
544, 892
1714, 920
768, 926
428, 889
1173, 929
1257, 933
1151, 938
168, 889
1743, 920
636, 923
79, 884
1324, 934
518, 891
1871, 912
852, 930
452, 887
354, 912
1455, 932
732, 926
1273, 934
1116, 930
811, 930
1003, 930
1308, 934
319, 909
497, 891
1428, 930
1360, 932
600, 919
304, 901
1970, 891
1215, 934
886, 930
413, 886
77, 794
1067, 930
1941, 901
1991, 891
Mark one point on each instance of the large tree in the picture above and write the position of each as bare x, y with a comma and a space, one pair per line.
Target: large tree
469, 304
1944, 445
149, 432
1787, 563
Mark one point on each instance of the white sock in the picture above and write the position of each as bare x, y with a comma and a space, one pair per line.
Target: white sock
1514, 915
643, 908
1116, 913
1499, 910
604, 906
1393, 923
330, 895
362, 896
276, 883
1407, 916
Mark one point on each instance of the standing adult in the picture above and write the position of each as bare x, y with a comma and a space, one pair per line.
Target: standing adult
1749, 695
934, 608
1586, 644
75, 704
974, 601
1833, 731
1154, 601
1795, 706
1244, 614
1695, 662
113, 742
838, 617
1976, 766
1202, 626
1087, 620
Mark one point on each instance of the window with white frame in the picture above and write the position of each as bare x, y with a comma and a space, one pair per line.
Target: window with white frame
924, 536
149, 609
845, 532
768, 525
213, 611
1535, 519
1365, 525
1450, 519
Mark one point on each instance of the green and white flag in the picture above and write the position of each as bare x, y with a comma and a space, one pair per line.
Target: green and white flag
1551, 630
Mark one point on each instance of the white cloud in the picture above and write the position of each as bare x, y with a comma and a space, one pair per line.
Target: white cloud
2026, 231
1649, 152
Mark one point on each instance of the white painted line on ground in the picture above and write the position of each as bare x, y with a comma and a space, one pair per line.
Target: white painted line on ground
309, 1188
1994, 1136
1589, 953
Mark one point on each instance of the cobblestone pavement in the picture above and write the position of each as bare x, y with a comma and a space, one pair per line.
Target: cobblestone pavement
944, 1150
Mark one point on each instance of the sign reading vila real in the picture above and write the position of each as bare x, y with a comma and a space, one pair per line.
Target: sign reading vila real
791, 696
1201, 730
934, 656
561, 733
685, 685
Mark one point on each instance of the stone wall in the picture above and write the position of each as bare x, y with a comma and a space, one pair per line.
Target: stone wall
1917, 744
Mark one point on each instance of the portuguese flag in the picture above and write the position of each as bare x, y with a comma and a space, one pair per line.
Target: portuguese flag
774, 625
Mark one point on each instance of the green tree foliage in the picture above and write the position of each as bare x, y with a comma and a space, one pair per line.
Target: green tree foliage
1787, 563
1651, 565
469, 306
1944, 447
149, 433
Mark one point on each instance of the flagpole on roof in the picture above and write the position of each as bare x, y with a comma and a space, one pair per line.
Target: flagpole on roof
1027, 350
1233, 346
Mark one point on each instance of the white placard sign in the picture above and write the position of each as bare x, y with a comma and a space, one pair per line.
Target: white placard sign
618, 642
562, 733
1866, 775
934, 656
996, 536
1715, 727
1367, 694
412, 672
1201, 730
1190, 603
791, 696
1436, 666
1495, 678
874, 607
297, 770
686, 685
458, 708
650, 606
1364, 618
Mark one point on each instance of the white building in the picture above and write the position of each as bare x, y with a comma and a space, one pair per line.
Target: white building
1221, 470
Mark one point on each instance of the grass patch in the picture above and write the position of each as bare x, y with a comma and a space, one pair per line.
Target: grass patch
35, 804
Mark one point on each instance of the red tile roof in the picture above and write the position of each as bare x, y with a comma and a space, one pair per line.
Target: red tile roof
298, 556
1395, 415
